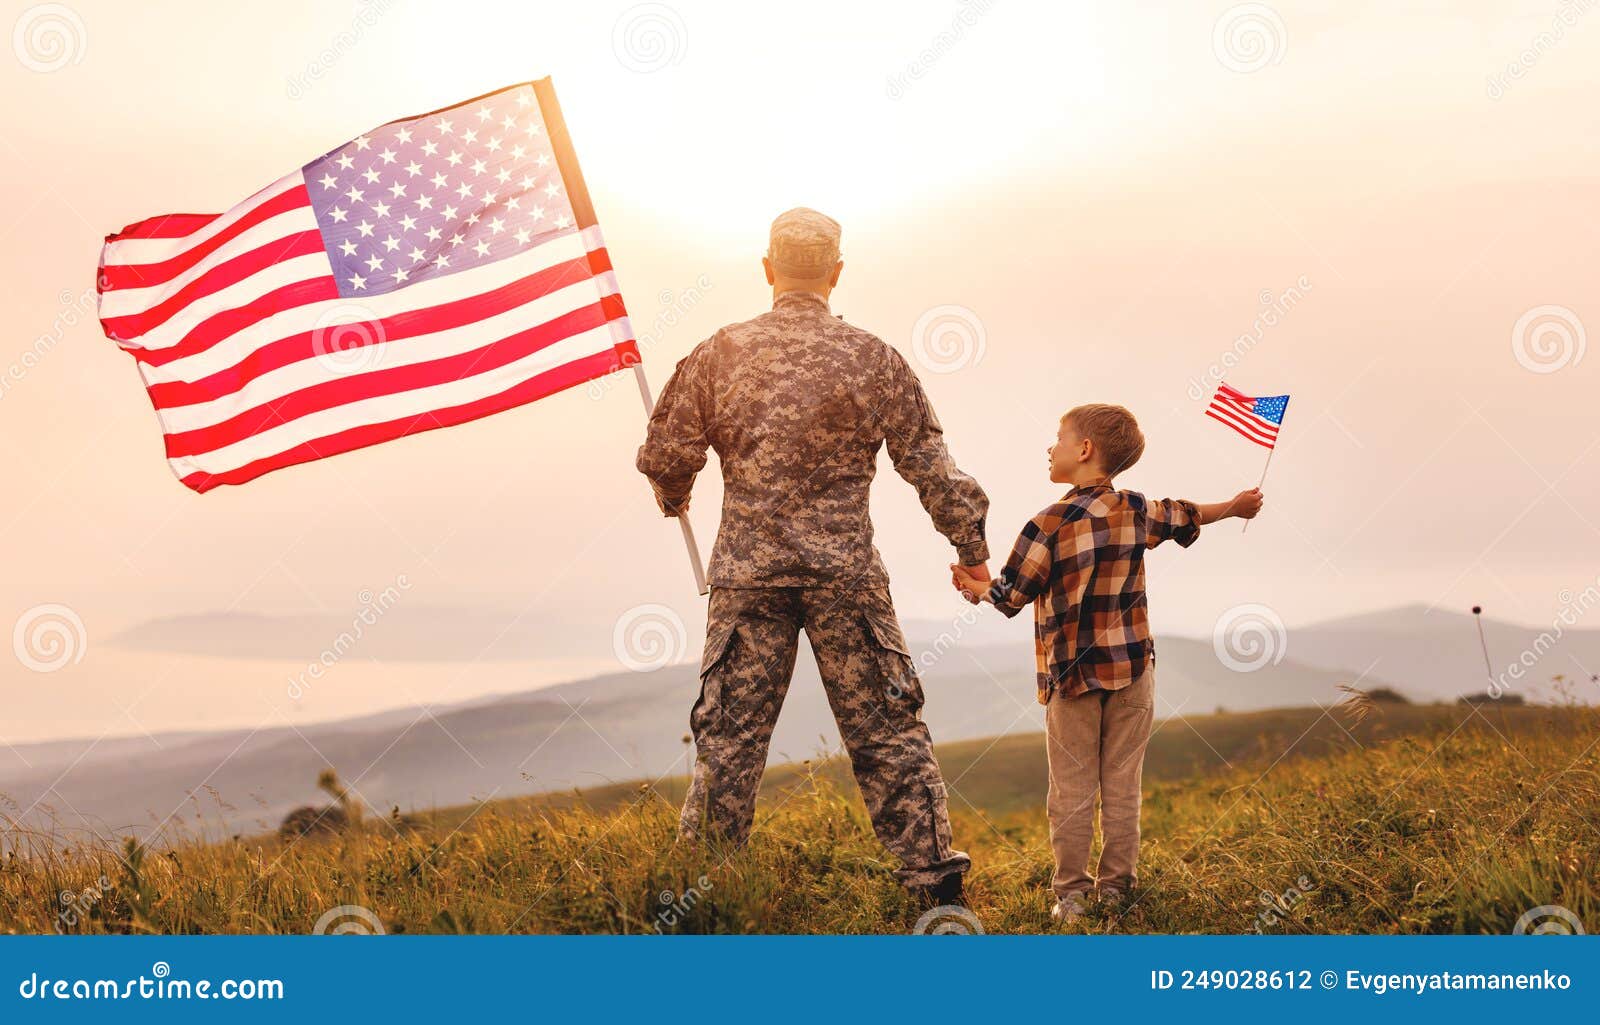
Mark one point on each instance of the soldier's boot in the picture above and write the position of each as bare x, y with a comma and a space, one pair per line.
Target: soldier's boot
947, 892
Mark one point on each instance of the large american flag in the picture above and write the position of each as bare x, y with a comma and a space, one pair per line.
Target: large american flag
1256, 419
435, 270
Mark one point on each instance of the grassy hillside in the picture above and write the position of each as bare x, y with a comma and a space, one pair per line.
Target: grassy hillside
1419, 819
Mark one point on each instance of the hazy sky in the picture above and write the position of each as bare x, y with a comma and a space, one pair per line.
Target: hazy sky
1109, 197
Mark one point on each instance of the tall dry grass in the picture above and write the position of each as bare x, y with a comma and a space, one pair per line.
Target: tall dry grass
1446, 830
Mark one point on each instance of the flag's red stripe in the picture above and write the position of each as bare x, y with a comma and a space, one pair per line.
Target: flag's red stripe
165, 226
1256, 424
230, 272
1246, 410
143, 275
373, 383
547, 383
219, 326
410, 324
1255, 438
1233, 393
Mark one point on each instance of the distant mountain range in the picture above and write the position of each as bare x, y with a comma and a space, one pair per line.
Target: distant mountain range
979, 682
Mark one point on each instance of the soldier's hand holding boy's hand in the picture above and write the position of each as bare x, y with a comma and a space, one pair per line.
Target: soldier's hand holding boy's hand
966, 580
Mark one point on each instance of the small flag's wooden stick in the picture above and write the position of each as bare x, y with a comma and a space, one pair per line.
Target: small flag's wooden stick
1268, 464
1263, 479
683, 520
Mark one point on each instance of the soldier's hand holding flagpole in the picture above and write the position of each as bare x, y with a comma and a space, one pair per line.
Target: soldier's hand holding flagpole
682, 513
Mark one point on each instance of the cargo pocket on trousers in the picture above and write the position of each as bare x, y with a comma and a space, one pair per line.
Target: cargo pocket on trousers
887, 632
718, 640
901, 684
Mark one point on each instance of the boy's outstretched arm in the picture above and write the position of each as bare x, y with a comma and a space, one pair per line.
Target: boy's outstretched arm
1180, 520
1245, 505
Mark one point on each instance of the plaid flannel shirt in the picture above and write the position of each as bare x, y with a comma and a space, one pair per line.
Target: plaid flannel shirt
1081, 563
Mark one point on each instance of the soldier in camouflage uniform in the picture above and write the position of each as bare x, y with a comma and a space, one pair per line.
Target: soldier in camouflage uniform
796, 403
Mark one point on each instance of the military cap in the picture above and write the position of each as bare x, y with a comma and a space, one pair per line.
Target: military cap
804, 243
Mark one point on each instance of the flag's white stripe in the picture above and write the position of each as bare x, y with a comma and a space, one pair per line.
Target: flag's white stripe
156, 250
124, 302
622, 327
351, 363
384, 408
1243, 412
1248, 411
1246, 418
1264, 432
241, 293
1249, 434
230, 351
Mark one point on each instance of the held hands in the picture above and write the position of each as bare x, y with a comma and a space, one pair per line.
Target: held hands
971, 581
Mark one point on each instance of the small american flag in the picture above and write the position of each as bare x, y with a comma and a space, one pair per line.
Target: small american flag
1256, 419
433, 271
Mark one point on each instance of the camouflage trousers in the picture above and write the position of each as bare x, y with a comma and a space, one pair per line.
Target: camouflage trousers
752, 637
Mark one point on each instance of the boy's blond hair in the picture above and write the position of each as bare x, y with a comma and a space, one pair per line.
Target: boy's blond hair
1115, 433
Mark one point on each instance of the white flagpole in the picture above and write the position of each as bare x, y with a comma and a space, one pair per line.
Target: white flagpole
1268, 464
583, 214
683, 521
1263, 479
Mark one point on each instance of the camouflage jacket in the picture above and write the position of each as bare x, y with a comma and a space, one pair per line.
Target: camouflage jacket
796, 404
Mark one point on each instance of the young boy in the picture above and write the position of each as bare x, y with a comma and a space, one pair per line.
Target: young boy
1081, 563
